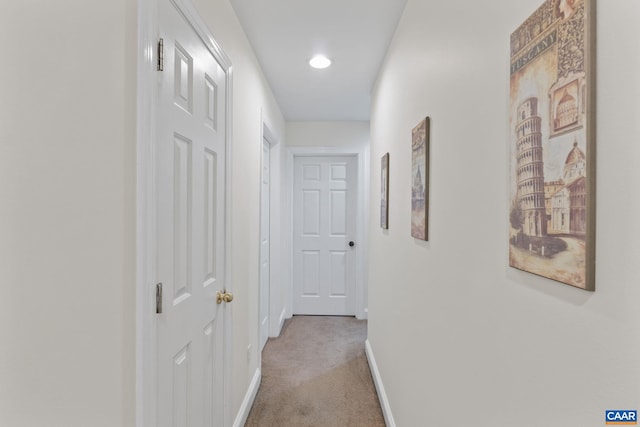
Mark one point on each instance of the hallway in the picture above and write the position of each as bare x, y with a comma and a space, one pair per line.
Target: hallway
316, 374
455, 335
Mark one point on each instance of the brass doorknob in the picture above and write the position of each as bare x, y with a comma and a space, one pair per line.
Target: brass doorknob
223, 296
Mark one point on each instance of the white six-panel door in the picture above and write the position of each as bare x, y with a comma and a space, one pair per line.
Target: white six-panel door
190, 170
324, 224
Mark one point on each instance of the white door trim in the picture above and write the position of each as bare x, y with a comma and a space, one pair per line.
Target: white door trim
146, 344
276, 319
362, 214
265, 214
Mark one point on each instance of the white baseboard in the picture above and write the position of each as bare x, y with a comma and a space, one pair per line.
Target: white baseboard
247, 403
364, 315
283, 317
276, 328
377, 380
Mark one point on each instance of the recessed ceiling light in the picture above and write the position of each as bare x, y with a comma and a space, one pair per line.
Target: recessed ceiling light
320, 61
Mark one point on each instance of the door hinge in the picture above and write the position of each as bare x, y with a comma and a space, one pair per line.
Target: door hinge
161, 55
159, 298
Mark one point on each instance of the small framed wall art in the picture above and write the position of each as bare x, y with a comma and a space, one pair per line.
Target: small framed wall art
552, 212
420, 180
384, 192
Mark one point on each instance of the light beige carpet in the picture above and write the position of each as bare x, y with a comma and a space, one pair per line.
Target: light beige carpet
316, 375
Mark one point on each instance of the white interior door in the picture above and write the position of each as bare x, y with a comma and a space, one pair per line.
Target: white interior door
190, 170
265, 243
324, 227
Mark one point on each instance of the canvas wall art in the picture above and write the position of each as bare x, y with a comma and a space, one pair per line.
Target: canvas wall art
552, 223
420, 180
384, 192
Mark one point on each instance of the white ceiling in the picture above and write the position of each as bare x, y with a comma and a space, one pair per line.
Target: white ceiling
354, 34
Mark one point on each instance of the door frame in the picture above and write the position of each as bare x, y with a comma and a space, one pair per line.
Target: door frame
277, 307
362, 201
266, 144
146, 120
268, 135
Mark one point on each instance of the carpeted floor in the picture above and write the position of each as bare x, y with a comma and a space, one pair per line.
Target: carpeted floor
316, 375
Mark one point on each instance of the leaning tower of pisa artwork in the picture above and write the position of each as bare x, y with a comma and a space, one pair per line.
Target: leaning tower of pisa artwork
530, 169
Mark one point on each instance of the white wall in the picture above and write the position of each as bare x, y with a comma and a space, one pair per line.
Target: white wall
67, 208
458, 336
352, 136
67, 213
328, 134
